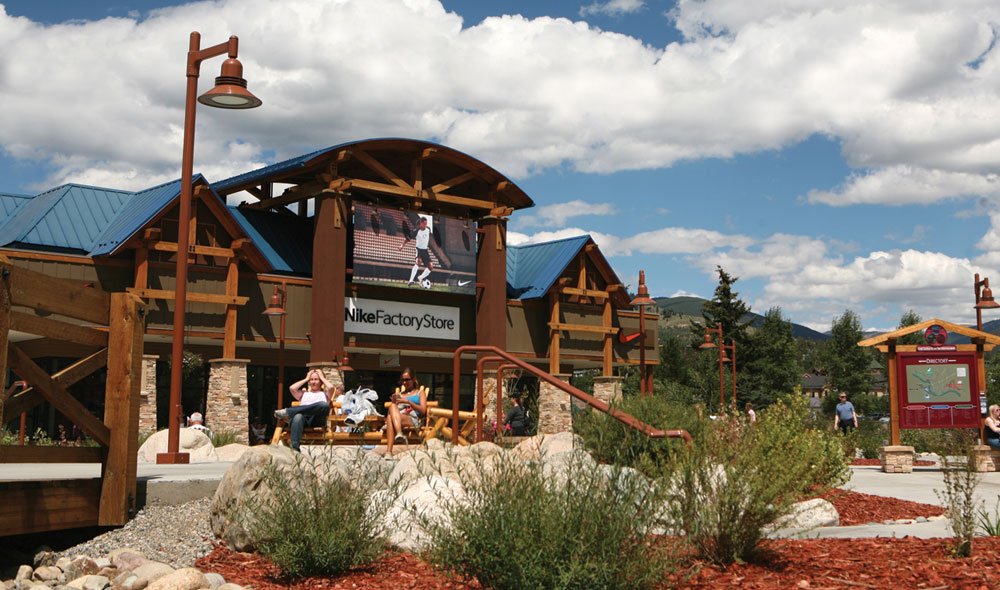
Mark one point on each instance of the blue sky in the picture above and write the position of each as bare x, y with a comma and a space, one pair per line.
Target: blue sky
831, 156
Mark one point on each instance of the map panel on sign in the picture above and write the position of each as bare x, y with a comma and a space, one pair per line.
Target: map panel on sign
938, 383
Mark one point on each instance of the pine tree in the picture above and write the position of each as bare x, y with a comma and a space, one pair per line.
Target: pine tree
847, 364
772, 367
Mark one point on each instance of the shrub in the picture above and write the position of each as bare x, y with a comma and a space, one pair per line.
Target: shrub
610, 441
868, 437
317, 521
958, 470
990, 523
223, 438
518, 526
735, 479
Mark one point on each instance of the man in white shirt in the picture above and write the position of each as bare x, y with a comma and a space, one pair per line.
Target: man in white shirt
423, 257
197, 422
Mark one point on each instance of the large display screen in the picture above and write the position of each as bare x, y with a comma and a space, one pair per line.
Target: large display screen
938, 390
414, 250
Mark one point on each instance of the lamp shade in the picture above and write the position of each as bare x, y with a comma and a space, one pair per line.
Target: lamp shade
986, 300
230, 90
277, 306
708, 341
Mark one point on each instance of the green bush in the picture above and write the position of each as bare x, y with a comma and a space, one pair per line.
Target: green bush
317, 521
958, 470
519, 527
223, 438
869, 436
611, 441
736, 479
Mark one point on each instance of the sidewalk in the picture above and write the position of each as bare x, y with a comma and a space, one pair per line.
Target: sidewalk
918, 486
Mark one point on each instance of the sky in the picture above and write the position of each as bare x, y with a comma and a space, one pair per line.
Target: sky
831, 155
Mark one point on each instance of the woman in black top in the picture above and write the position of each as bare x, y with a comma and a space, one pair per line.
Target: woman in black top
516, 417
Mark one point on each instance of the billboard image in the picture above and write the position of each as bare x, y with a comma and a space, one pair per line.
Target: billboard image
938, 390
414, 250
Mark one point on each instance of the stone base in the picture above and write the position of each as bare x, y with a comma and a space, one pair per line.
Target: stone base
226, 406
608, 389
147, 394
554, 413
985, 458
896, 459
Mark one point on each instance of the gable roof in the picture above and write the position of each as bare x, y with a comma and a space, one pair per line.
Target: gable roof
285, 240
141, 209
952, 328
68, 217
532, 269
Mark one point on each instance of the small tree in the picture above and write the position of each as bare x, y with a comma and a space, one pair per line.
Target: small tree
772, 368
848, 364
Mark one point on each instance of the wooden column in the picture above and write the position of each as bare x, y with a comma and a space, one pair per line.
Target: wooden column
121, 408
491, 276
554, 333
894, 439
329, 272
141, 267
4, 328
607, 364
232, 289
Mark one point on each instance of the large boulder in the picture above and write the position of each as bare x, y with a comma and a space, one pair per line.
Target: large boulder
425, 500
536, 447
231, 452
247, 478
193, 442
808, 514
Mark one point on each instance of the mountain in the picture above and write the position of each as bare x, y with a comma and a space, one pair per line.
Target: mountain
691, 307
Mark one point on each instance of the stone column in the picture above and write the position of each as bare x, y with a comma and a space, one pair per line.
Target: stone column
147, 394
226, 407
608, 389
896, 459
984, 458
489, 396
554, 413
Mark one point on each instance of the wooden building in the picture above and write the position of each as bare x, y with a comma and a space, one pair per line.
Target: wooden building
332, 233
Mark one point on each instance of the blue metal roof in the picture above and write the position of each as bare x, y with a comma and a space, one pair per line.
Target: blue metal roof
533, 268
67, 217
11, 204
142, 207
286, 241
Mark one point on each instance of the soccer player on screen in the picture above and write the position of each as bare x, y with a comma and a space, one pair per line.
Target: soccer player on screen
422, 238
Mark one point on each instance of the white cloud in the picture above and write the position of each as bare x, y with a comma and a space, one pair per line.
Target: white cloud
556, 215
612, 7
892, 81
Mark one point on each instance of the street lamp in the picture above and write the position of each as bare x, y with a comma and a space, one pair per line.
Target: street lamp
708, 343
230, 92
277, 307
641, 301
984, 300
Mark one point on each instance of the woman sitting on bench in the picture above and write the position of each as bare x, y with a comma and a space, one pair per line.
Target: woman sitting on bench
412, 401
314, 405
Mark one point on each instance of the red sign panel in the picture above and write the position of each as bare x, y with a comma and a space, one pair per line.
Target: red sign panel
938, 390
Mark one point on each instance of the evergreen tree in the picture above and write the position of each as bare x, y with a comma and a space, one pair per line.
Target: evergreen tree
772, 368
728, 309
847, 364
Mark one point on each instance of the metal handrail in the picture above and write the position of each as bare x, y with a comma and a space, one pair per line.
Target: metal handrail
586, 398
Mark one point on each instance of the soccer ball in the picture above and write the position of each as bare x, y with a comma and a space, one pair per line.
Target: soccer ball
426, 284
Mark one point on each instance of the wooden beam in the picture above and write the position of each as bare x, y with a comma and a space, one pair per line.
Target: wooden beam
583, 328
4, 332
584, 292
453, 182
194, 249
141, 267
52, 505
287, 198
121, 409
57, 395
57, 330
607, 362
554, 335
191, 297
913, 347
380, 169
30, 397
60, 296
54, 454
429, 195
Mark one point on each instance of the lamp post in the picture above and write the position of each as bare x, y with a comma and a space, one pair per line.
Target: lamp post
722, 360
277, 308
641, 301
230, 92
984, 300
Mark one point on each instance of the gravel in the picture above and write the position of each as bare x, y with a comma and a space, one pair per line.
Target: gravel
175, 535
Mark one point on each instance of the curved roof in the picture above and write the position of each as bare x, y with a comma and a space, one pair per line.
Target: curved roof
449, 180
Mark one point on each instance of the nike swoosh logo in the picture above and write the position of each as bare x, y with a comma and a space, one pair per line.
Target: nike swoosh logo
626, 339
463, 283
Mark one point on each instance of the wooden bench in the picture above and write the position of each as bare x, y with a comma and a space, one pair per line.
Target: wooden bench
369, 432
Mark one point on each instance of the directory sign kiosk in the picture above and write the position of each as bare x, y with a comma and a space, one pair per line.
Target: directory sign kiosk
939, 388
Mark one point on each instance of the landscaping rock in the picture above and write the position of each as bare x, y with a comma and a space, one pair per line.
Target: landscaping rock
427, 497
187, 578
192, 441
126, 559
231, 452
152, 571
809, 514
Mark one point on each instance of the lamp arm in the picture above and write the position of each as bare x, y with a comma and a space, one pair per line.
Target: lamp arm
196, 56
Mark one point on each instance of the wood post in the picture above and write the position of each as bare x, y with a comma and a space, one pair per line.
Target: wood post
121, 408
4, 327
491, 278
329, 278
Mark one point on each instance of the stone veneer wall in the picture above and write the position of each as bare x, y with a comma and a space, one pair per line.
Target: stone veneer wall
489, 396
226, 406
147, 394
608, 389
554, 414
896, 459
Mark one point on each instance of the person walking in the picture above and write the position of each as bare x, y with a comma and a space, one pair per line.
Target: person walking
845, 417
517, 418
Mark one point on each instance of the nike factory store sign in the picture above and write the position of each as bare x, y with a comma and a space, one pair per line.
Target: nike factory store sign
396, 318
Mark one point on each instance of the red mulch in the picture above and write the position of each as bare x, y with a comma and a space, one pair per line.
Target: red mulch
812, 564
